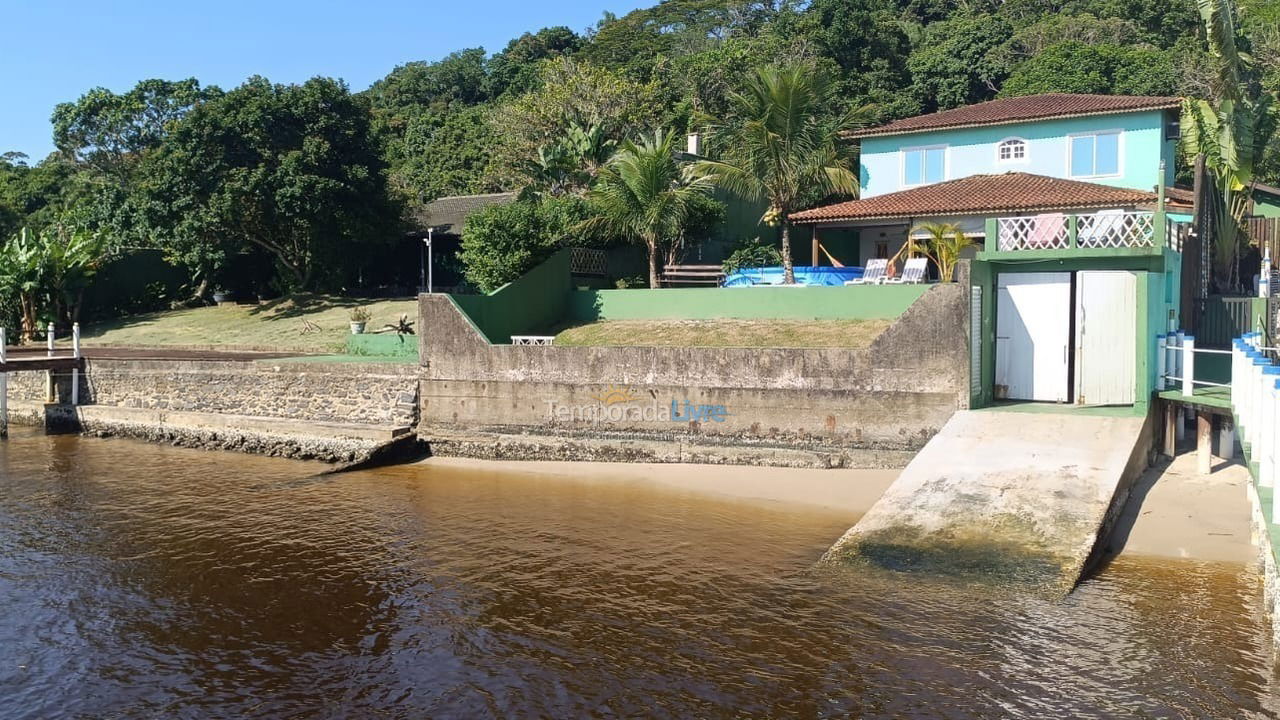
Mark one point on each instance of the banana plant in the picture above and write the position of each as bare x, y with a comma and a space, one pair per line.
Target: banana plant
1230, 132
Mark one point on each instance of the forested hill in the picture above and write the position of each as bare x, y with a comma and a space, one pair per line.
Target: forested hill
289, 185
457, 125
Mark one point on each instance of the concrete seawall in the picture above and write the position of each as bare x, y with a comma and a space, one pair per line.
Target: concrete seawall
336, 412
802, 407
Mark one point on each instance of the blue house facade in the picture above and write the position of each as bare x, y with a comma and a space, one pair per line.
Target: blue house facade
1077, 251
1086, 141
1122, 150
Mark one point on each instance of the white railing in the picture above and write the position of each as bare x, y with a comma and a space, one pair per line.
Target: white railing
1117, 230
50, 348
1042, 232
1096, 231
1176, 363
1255, 400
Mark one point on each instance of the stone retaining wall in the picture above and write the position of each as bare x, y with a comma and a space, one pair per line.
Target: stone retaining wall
543, 401
336, 412
368, 393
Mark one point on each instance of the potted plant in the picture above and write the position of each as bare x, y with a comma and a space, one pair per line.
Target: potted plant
359, 318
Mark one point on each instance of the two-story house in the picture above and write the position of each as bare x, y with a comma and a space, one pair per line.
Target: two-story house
1076, 267
1001, 158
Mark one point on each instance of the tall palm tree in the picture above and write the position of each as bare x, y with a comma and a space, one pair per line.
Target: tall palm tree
644, 195
779, 144
1230, 132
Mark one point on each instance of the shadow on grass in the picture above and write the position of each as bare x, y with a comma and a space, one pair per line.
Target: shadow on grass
293, 306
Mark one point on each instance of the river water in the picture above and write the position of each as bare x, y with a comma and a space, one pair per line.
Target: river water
146, 581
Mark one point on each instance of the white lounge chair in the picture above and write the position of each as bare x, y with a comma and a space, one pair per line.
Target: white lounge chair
912, 272
873, 274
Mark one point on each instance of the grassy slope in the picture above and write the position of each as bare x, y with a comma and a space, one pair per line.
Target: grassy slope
273, 325
725, 333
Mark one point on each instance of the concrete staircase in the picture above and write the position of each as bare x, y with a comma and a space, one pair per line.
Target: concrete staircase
1018, 496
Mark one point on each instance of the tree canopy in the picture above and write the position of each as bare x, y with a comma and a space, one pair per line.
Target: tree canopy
312, 179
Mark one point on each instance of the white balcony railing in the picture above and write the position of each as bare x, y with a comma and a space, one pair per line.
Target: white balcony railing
1097, 231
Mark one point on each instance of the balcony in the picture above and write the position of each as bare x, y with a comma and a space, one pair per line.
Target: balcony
1093, 235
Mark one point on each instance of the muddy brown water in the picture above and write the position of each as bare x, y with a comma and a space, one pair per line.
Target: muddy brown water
146, 581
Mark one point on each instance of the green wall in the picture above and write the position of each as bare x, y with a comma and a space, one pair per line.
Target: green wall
852, 302
382, 345
532, 304
1157, 296
1265, 204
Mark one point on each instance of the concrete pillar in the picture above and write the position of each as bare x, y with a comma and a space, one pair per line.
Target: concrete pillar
4, 387
1188, 365
49, 394
1204, 442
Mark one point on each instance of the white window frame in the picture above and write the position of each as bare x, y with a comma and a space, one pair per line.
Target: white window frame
902, 163
1118, 132
1026, 152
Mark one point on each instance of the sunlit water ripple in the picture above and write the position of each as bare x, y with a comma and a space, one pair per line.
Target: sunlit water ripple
145, 581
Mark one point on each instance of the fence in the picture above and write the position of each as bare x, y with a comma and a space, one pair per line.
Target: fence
1220, 319
1255, 399
1103, 230
1265, 233
8, 363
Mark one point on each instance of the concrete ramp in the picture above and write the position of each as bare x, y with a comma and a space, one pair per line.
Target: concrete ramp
1009, 495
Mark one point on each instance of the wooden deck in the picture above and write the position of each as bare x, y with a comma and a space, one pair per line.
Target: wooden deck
1216, 400
33, 362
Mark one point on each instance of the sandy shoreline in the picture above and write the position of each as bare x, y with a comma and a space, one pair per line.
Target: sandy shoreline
844, 490
1173, 512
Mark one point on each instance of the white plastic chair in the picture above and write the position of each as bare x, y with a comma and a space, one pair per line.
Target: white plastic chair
873, 274
912, 272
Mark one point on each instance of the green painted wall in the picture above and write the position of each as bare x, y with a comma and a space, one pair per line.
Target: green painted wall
1266, 204
844, 302
382, 345
533, 304
1157, 297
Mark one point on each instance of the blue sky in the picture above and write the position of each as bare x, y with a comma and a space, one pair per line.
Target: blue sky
53, 51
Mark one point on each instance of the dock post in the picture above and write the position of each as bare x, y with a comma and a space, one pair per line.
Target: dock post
1188, 365
4, 387
1170, 428
1253, 432
1204, 442
1264, 449
1161, 371
1175, 355
75, 371
49, 394
1271, 454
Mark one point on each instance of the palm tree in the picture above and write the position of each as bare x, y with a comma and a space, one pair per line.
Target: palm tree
1229, 133
780, 146
943, 245
644, 195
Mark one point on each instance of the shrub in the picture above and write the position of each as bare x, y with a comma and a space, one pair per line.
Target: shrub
752, 254
502, 242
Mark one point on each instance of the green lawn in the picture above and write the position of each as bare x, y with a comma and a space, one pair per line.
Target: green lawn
310, 324
726, 333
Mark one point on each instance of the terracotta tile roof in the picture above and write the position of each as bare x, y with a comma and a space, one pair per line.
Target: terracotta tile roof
980, 195
1020, 109
448, 215
1179, 196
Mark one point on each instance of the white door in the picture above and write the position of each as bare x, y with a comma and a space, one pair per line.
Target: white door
1106, 336
1033, 334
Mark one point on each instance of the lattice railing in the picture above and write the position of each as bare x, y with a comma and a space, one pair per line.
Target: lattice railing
1094, 231
1043, 232
587, 261
1116, 230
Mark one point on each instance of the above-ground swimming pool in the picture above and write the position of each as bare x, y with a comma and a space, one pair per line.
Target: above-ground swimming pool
821, 275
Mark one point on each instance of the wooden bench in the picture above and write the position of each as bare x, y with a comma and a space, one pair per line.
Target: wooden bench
692, 275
